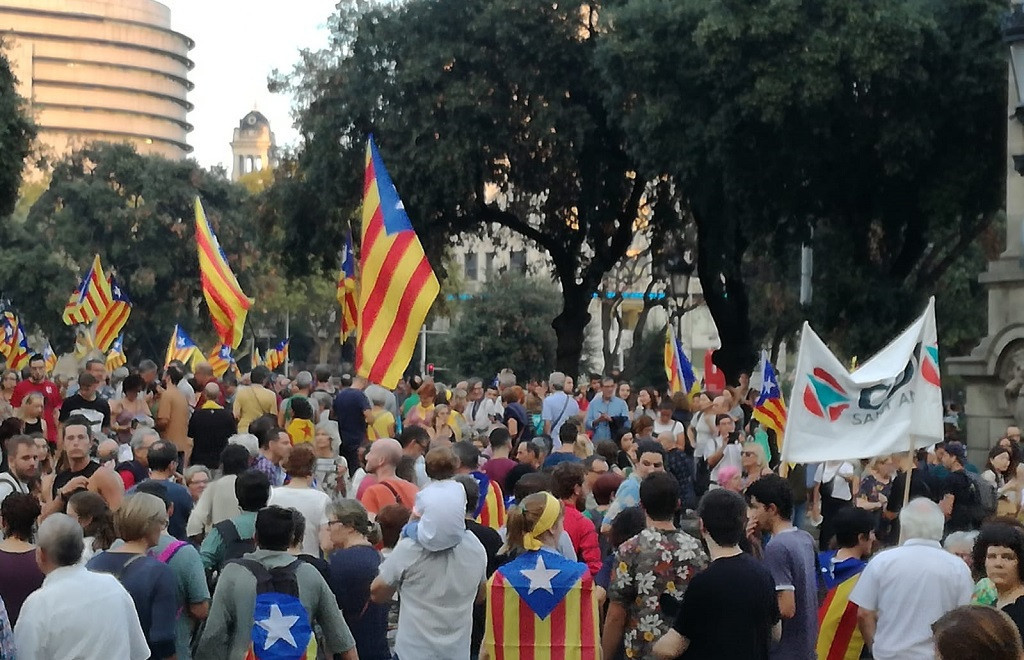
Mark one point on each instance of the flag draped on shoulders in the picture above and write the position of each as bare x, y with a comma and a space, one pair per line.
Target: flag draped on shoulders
181, 347
227, 302
348, 297
490, 506
838, 636
397, 286
111, 321
115, 356
770, 408
541, 605
91, 298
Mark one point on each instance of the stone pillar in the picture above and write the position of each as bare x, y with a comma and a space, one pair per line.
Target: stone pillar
991, 364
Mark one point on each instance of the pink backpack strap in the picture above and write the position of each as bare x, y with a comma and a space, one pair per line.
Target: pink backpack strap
170, 551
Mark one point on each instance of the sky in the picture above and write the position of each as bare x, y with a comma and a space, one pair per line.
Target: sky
238, 43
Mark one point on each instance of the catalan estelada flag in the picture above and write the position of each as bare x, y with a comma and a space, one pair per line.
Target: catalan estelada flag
678, 369
276, 356
227, 303
14, 344
490, 506
181, 347
220, 359
348, 297
115, 356
280, 628
84, 342
49, 357
838, 636
111, 321
396, 283
770, 409
90, 298
541, 605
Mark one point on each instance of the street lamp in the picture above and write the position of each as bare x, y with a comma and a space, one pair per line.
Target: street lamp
678, 293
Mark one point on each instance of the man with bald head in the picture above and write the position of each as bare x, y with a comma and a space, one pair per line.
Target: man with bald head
210, 426
381, 462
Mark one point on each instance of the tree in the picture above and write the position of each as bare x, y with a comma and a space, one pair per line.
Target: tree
871, 130
312, 303
16, 134
137, 213
503, 326
486, 112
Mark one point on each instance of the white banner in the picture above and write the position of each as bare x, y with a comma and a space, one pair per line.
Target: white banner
891, 401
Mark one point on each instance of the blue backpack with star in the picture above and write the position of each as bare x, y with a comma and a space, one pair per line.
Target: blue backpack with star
281, 629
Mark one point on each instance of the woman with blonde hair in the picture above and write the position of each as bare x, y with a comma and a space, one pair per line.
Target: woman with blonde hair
348, 540
31, 414
331, 469
140, 520
754, 463
540, 590
417, 415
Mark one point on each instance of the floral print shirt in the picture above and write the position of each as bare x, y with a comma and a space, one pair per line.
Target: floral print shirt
652, 563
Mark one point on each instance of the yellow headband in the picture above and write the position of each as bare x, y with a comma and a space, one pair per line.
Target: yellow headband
546, 521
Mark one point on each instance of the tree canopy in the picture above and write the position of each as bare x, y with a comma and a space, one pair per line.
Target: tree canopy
871, 130
16, 134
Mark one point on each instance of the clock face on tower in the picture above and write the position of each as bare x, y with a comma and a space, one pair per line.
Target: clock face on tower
251, 120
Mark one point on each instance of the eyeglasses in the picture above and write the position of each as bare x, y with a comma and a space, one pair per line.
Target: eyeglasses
748, 453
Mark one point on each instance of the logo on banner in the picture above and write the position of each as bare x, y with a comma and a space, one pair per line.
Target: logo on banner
824, 397
930, 365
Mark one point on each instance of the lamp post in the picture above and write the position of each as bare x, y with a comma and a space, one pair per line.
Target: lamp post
678, 293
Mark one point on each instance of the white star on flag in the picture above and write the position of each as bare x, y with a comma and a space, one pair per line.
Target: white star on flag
278, 626
540, 576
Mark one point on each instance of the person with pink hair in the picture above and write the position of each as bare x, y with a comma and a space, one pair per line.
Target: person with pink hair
730, 478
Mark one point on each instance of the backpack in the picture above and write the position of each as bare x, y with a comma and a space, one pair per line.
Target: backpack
171, 550
281, 626
988, 498
234, 545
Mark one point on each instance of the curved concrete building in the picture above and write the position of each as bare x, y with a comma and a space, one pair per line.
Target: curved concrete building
101, 70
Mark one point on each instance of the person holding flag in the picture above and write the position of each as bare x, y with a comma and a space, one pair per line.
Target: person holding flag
540, 601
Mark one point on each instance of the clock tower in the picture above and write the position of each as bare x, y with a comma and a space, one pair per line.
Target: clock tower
252, 146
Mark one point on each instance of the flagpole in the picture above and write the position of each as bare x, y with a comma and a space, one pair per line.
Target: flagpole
423, 349
287, 335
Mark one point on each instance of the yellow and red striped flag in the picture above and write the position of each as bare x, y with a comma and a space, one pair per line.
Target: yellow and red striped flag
256, 359
838, 635
220, 359
91, 297
225, 299
276, 356
542, 605
111, 321
181, 347
49, 357
678, 369
490, 505
397, 286
115, 356
14, 344
770, 409
348, 297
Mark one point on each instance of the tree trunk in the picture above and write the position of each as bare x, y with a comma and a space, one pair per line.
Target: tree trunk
607, 314
570, 327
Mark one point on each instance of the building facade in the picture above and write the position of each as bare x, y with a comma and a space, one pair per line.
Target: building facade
101, 70
252, 146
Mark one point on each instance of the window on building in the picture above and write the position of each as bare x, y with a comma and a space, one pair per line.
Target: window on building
470, 266
517, 262
259, 163
489, 267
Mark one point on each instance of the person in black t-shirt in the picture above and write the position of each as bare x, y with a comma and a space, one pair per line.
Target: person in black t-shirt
889, 533
86, 399
959, 497
729, 611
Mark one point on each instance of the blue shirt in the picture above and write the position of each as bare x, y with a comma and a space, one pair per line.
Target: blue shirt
349, 407
557, 408
352, 571
152, 587
614, 408
182, 500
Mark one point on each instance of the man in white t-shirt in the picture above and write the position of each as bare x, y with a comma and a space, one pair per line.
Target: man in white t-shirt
904, 590
437, 590
724, 448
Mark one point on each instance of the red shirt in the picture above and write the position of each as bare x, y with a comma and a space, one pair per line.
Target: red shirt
51, 403
583, 534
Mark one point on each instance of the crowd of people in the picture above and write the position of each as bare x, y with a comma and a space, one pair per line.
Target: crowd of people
167, 513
